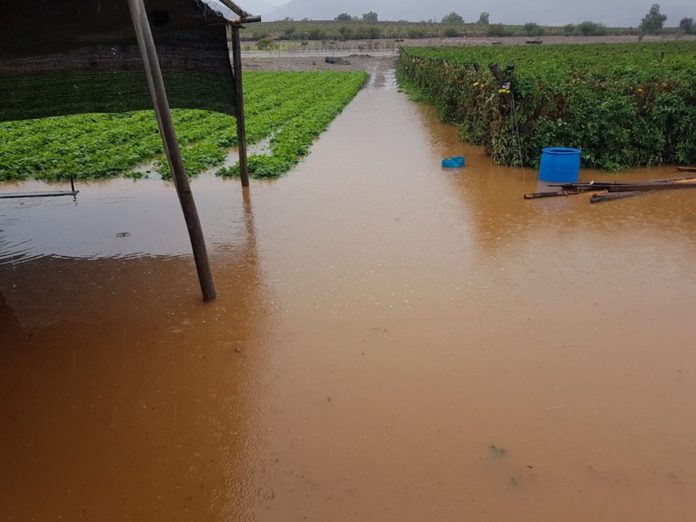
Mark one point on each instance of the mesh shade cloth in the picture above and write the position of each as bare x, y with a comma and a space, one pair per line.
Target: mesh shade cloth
61, 57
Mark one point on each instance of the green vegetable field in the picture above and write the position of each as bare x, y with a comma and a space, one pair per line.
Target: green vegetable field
624, 105
290, 109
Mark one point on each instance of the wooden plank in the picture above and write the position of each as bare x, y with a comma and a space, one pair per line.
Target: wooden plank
552, 194
48, 194
158, 93
614, 189
646, 187
604, 185
611, 196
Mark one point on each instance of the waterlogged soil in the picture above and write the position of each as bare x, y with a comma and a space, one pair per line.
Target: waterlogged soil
391, 342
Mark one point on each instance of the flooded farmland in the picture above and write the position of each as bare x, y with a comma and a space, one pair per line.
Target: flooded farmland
391, 342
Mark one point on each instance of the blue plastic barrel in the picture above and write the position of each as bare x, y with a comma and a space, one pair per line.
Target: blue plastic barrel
455, 162
560, 165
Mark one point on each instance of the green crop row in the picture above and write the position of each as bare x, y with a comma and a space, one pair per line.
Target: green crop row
303, 120
623, 105
291, 109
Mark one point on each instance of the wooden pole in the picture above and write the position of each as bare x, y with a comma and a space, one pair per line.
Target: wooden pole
239, 104
171, 145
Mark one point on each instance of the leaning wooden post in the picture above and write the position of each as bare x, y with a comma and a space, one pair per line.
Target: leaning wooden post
171, 144
239, 104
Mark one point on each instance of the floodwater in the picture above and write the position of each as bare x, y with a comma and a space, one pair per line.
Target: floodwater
392, 342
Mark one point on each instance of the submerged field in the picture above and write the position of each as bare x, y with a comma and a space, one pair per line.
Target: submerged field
623, 105
288, 109
391, 343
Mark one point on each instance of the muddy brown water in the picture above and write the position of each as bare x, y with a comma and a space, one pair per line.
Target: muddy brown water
381, 325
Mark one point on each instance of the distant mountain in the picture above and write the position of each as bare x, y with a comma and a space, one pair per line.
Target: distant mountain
257, 7
624, 13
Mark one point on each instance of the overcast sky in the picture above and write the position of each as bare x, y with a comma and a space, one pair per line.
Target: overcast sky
552, 12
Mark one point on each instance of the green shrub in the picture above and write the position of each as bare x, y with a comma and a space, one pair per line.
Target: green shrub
264, 44
624, 105
498, 30
532, 29
591, 29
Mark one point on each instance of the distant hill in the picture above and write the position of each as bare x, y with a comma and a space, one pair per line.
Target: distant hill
619, 13
257, 7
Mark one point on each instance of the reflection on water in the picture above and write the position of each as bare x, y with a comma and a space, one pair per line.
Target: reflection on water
381, 324
125, 394
112, 219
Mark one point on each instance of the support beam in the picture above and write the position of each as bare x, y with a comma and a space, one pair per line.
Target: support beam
239, 103
171, 145
235, 9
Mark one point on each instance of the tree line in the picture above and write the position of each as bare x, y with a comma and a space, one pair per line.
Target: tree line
652, 23
368, 27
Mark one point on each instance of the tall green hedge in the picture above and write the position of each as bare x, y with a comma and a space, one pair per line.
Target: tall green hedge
624, 105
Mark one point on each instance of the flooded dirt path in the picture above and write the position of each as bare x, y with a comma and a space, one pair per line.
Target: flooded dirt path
391, 342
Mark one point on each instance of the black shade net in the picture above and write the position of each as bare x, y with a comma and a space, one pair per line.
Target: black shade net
60, 57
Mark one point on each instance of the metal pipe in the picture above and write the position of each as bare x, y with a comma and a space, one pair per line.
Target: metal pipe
171, 145
239, 104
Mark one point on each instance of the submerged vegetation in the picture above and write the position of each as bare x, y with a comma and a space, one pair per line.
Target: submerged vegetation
289, 109
623, 105
293, 122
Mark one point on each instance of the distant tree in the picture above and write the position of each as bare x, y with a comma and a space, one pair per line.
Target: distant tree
497, 30
687, 25
288, 19
264, 43
450, 32
374, 33
370, 17
346, 32
591, 29
484, 19
316, 34
569, 29
532, 29
343, 17
452, 19
653, 22
415, 33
